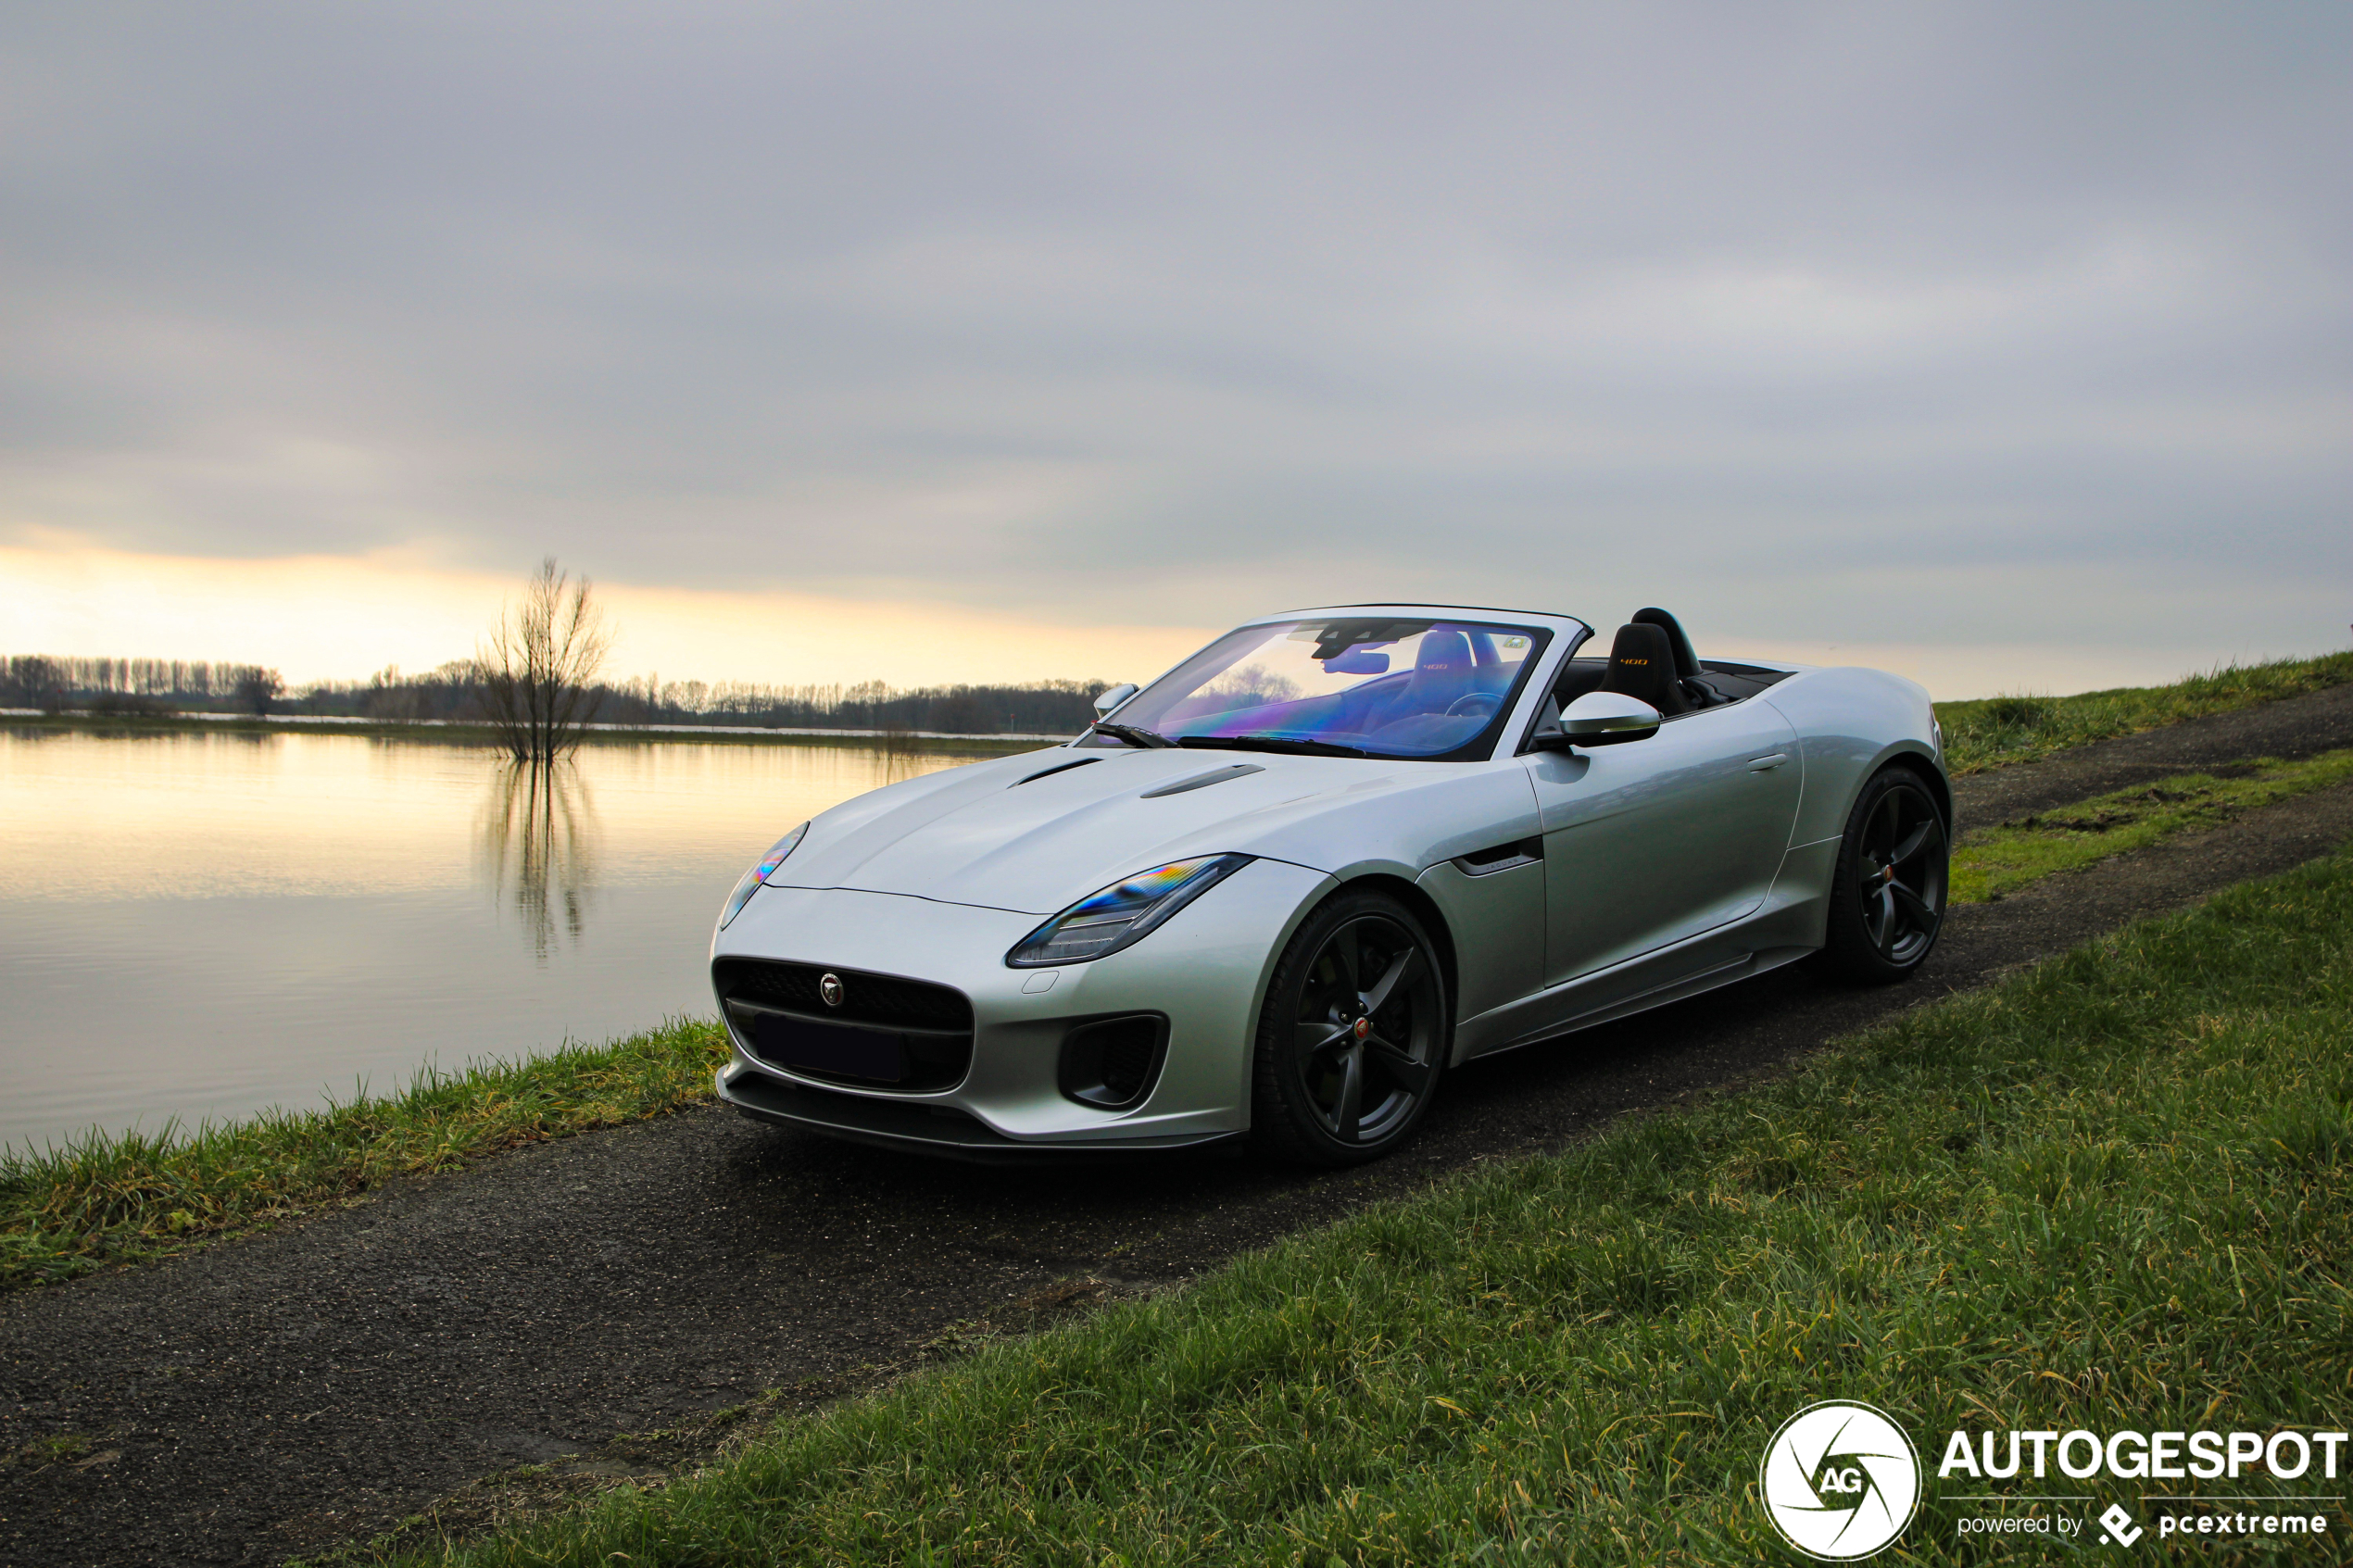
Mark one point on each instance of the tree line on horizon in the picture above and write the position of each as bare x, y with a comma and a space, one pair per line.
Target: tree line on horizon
134, 687
535, 680
129, 688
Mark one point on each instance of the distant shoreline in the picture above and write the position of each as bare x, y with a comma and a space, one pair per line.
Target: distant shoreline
453, 731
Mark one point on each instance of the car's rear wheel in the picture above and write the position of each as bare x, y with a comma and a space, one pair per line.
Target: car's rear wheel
1887, 902
1354, 1035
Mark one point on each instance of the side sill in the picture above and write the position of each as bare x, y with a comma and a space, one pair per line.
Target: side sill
1747, 966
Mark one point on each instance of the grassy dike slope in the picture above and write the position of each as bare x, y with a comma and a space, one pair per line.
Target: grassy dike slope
2110, 1193
1995, 731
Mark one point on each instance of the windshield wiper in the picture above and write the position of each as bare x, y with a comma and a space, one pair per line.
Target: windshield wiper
1133, 734
1269, 743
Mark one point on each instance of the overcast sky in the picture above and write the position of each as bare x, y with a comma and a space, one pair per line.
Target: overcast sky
1971, 326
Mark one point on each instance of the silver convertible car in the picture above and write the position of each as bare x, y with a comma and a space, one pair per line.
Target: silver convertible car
1279, 893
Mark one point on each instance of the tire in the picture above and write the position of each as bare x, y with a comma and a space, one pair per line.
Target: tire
1888, 894
1354, 1035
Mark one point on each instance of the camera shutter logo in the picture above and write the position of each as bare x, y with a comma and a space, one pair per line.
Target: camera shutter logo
1840, 1480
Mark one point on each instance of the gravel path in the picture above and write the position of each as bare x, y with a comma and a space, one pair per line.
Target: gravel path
2323, 721
284, 1393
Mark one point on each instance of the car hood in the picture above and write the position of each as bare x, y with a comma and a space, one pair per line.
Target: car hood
1001, 836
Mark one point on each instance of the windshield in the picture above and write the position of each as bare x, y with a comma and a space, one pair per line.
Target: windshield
1375, 686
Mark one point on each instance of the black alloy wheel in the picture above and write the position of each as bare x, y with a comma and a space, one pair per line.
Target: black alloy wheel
1353, 1036
1888, 903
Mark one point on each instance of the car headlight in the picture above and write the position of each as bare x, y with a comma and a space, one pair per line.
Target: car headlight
757, 876
1123, 913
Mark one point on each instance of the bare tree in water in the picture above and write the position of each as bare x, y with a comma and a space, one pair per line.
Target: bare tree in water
537, 837
538, 668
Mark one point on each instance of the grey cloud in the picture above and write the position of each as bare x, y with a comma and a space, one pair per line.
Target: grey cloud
1961, 322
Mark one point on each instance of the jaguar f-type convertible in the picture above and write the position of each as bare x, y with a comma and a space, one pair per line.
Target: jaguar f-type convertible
1279, 893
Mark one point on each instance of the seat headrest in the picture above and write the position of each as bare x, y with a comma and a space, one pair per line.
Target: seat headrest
1678, 644
1642, 646
1446, 651
1642, 665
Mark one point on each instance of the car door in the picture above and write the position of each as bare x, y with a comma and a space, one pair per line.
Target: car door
1651, 841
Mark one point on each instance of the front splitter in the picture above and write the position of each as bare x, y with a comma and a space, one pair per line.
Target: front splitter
940, 1130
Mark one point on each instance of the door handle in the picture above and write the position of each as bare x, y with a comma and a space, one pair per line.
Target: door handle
1767, 764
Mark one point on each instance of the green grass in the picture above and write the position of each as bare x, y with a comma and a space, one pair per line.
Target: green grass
107, 1197
1988, 862
1995, 731
2112, 1192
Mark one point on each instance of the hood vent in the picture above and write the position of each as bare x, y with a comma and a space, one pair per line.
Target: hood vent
1048, 772
1203, 781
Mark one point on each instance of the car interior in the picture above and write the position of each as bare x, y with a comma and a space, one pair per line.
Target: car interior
1456, 684
1651, 659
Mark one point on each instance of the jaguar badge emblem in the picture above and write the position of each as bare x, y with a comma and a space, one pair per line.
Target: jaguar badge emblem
830, 988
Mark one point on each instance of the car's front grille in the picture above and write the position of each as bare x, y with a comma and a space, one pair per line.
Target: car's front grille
883, 1032
884, 999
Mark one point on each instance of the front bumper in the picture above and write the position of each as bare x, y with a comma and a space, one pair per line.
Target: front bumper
1205, 971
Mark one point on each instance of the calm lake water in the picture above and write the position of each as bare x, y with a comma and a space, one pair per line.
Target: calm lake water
200, 926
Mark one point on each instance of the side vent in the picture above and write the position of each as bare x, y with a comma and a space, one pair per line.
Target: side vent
1502, 858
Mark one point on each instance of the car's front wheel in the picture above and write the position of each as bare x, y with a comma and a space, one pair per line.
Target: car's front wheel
1354, 1035
1887, 902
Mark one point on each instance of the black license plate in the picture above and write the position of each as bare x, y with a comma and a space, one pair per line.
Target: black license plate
839, 1049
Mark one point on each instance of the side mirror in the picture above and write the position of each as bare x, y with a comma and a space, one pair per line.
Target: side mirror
1608, 718
1597, 718
1106, 702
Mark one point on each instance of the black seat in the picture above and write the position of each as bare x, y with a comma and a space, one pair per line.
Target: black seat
1697, 691
1642, 665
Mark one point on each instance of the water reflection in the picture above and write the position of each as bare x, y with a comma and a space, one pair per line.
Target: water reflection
324, 909
538, 842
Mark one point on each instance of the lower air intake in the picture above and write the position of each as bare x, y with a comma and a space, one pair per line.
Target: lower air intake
1112, 1063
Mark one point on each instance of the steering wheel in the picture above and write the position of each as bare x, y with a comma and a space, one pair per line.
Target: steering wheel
1474, 705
